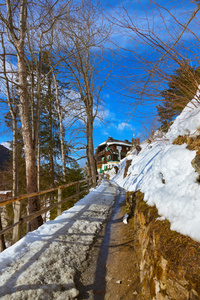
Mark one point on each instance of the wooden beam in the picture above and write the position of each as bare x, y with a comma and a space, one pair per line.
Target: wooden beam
44, 210
11, 200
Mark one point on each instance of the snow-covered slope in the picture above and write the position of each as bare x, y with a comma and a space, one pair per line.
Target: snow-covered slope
163, 172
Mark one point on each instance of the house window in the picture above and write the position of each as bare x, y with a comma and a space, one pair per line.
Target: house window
106, 148
108, 157
102, 158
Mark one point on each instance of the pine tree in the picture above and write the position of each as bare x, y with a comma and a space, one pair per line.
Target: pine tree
182, 87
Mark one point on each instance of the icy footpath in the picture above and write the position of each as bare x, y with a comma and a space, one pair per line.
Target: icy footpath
42, 265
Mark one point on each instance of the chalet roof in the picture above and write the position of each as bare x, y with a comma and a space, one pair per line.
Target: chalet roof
111, 141
5, 192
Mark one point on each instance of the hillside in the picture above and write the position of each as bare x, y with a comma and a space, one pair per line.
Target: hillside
167, 172
163, 181
4, 156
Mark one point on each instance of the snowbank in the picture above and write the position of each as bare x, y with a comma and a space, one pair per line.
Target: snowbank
163, 172
187, 123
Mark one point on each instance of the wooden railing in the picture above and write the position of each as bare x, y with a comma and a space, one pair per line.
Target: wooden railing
58, 204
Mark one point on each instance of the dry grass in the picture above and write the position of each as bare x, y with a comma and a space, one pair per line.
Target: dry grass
192, 143
180, 251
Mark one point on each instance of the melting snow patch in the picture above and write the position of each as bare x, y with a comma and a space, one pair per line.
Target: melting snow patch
125, 219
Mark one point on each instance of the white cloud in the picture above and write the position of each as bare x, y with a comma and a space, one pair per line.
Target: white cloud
124, 126
104, 117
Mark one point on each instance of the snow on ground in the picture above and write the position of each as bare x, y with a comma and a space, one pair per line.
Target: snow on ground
42, 265
188, 122
163, 172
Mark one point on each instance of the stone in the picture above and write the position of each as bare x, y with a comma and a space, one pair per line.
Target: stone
135, 293
128, 163
119, 281
138, 148
196, 163
116, 169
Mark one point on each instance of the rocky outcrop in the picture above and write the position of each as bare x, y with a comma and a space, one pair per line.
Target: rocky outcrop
128, 163
138, 149
193, 143
196, 163
169, 262
116, 169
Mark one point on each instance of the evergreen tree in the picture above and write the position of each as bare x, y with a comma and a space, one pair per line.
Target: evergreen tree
182, 87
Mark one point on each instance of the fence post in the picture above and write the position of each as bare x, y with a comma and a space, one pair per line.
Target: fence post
88, 186
59, 199
27, 224
2, 241
45, 205
77, 192
17, 216
100, 178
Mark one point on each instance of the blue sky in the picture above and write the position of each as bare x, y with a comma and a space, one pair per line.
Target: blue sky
126, 116
123, 119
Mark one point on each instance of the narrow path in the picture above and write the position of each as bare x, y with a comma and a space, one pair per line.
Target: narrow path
111, 269
43, 264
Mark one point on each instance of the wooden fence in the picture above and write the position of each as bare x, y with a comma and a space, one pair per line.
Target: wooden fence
58, 204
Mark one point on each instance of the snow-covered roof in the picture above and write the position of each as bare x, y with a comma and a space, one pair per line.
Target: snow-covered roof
119, 143
4, 192
6, 145
111, 141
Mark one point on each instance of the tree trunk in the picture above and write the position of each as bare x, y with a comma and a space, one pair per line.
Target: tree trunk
17, 204
13, 111
38, 166
61, 127
29, 149
90, 148
2, 241
50, 153
37, 118
50, 123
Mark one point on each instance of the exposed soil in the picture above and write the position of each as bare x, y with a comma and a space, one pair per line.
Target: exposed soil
111, 271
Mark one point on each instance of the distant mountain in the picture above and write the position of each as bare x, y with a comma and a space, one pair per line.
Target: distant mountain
5, 156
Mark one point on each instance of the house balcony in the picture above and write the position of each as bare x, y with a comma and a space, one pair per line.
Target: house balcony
101, 153
100, 161
99, 165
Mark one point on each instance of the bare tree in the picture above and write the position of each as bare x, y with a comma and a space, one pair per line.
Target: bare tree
163, 38
60, 116
11, 100
84, 36
19, 18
